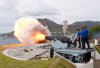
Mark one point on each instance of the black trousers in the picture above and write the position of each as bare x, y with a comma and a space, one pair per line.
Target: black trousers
85, 41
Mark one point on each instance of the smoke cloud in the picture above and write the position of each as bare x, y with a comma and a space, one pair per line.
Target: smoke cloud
30, 31
65, 26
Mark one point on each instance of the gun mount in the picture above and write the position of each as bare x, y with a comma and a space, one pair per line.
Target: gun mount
76, 55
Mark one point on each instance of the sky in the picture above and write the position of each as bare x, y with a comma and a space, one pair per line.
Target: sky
55, 10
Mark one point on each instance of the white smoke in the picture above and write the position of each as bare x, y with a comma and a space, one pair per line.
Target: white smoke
65, 26
26, 27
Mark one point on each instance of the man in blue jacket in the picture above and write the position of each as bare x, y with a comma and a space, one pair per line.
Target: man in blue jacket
85, 37
78, 38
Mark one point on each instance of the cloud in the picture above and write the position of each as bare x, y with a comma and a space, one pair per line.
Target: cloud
56, 10
52, 9
76, 10
13, 9
35, 8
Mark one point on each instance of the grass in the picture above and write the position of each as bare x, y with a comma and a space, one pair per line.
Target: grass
98, 48
57, 62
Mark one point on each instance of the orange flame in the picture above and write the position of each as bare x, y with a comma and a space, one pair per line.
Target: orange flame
38, 37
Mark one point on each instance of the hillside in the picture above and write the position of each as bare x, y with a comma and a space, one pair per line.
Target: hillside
51, 25
57, 28
89, 24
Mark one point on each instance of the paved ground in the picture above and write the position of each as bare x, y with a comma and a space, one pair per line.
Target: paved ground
25, 52
85, 65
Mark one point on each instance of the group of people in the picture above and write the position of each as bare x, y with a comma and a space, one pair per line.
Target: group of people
82, 37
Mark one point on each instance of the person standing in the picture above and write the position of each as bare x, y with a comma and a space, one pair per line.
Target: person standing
85, 37
86, 31
78, 38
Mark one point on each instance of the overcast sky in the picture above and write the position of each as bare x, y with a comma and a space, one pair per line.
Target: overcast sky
56, 10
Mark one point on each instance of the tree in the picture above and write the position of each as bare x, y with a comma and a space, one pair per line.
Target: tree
94, 31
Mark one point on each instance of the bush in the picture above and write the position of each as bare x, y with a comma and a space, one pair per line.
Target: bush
95, 31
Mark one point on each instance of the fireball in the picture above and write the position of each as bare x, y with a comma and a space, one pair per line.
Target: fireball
30, 31
38, 37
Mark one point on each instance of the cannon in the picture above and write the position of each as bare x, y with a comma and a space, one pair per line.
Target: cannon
77, 55
63, 39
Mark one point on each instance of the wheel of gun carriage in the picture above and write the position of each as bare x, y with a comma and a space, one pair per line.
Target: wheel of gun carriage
81, 58
77, 59
87, 57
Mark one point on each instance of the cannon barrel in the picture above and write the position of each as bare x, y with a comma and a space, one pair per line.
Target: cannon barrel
63, 39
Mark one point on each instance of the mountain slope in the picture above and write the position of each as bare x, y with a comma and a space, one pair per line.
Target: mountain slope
51, 25
89, 24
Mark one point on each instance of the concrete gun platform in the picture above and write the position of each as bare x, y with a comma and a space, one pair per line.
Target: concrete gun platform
24, 52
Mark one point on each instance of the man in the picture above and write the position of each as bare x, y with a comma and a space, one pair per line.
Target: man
78, 38
84, 37
86, 31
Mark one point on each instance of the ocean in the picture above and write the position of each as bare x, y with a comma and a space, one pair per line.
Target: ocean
4, 41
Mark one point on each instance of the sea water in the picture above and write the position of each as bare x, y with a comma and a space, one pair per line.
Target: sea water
5, 41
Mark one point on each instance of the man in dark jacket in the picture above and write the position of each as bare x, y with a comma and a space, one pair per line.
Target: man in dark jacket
78, 38
85, 37
86, 31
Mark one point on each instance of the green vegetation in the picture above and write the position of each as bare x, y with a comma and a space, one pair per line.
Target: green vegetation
98, 48
7, 62
95, 29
